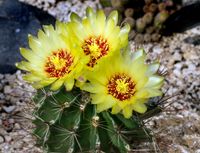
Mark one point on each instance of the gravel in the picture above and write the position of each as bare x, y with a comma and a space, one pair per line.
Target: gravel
177, 128
62, 9
15, 129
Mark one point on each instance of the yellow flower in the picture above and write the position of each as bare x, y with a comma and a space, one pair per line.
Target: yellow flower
124, 84
52, 59
98, 36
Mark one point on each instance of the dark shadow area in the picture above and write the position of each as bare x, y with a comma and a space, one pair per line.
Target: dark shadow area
186, 18
17, 20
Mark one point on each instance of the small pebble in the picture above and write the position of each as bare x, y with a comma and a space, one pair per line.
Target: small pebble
7, 90
8, 109
8, 138
1, 139
1, 76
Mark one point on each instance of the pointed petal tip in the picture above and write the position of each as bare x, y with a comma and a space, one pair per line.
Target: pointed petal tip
17, 64
138, 53
114, 16
29, 36
69, 85
89, 11
139, 107
75, 17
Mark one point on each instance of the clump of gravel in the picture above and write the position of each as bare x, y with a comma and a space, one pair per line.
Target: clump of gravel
62, 9
188, 2
177, 128
182, 61
15, 122
177, 132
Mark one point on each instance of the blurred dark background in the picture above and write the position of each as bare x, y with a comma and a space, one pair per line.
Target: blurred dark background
17, 20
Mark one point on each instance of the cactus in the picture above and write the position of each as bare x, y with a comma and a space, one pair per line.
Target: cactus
130, 21
153, 7
160, 18
68, 122
147, 37
148, 17
82, 104
148, 2
140, 25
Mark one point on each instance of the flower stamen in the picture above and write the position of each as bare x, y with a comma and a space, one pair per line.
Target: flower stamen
58, 63
95, 47
121, 86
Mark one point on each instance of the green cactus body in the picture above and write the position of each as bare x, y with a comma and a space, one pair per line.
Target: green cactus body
66, 123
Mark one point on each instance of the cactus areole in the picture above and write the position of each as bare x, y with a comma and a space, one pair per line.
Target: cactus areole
92, 91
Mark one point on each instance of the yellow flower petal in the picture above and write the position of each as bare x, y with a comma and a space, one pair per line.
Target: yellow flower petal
32, 78
154, 93
109, 102
127, 112
116, 109
113, 16
99, 38
93, 88
153, 81
49, 30
124, 35
110, 26
53, 56
69, 84
48, 81
97, 98
74, 17
137, 54
152, 69
123, 85
87, 26
101, 18
37, 85
57, 84
139, 107
30, 56
34, 43
25, 66
90, 13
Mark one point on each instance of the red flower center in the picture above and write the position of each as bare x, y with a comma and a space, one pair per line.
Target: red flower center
58, 63
95, 47
121, 86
